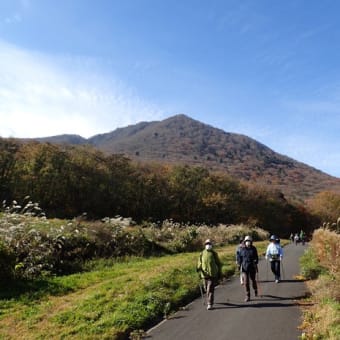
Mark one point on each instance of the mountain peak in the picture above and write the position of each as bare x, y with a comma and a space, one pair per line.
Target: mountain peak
179, 116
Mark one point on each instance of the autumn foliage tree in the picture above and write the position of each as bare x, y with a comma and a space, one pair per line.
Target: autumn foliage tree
69, 181
326, 205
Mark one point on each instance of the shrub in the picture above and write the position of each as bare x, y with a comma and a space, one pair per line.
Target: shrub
326, 246
310, 266
231, 234
7, 263
42, 247
179, 237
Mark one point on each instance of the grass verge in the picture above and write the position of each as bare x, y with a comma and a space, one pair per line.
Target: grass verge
320, 265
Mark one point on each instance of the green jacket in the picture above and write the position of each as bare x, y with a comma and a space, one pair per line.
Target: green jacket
209, 265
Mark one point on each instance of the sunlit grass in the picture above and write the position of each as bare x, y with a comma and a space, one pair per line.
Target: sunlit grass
111, 296
322, 317
108, 302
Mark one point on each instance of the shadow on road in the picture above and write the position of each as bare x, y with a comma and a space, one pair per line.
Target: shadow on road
175, 317
282, 281
253, 304
285, 297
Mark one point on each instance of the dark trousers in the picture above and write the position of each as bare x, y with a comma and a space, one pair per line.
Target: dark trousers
210, 284
247, 276
275, 267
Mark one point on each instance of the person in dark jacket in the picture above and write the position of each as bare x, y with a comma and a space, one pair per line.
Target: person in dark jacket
248, 260
210, 268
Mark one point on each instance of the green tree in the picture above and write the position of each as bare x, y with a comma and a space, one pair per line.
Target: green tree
186, 191
8, 153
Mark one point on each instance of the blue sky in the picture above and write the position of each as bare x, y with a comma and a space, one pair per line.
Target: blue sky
267, 69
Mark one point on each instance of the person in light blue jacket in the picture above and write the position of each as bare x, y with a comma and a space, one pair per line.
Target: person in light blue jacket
274, 254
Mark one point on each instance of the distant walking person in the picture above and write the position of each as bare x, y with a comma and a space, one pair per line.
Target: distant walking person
274, 254
302, 237
239, 247
248, 260
237, 252
210, 268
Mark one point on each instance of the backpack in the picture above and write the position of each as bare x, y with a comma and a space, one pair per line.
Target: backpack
274, 253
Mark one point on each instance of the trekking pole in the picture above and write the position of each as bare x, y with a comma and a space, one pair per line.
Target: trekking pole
257, 278
201, 290
283, 272
241, 275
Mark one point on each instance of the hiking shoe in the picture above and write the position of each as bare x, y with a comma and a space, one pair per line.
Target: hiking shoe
255, 292
209, 307
277, 281
246, 299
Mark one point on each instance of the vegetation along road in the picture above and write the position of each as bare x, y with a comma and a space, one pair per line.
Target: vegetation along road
275, 314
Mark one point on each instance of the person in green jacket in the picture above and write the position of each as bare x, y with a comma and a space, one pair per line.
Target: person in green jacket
210, 268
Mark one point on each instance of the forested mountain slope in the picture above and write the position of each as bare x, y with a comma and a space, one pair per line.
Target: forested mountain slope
180, 139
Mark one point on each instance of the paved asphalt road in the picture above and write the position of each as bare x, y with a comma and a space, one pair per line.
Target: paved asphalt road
272, 315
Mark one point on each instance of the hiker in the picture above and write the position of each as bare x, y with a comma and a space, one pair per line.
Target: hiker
274, 253
238, 249
291, 237
296, 239
248, 260
210, 268
302, 237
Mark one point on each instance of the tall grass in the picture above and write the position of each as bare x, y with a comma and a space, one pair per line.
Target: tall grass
34, 246
326, 245
322, 320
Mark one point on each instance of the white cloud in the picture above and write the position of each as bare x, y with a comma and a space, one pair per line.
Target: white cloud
44, 96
